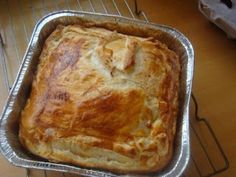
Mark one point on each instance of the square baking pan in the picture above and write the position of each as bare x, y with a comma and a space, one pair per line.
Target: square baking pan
10, 146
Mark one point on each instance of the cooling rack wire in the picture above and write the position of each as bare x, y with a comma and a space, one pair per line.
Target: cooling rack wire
17, 19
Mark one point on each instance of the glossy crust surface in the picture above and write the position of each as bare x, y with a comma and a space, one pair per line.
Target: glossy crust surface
103, 99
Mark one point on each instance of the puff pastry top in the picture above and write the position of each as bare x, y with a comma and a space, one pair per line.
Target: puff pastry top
103, 99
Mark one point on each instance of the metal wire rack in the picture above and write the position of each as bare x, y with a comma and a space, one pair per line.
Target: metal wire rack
207, 155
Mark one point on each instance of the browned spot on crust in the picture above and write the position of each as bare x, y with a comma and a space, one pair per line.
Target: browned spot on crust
67, 54
109, 113
59, 95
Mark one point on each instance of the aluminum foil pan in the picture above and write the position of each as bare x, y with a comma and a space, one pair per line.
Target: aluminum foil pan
9, 124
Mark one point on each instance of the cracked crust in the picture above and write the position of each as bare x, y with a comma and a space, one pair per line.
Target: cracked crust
103, 99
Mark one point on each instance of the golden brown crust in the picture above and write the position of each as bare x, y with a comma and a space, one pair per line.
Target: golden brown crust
103, 99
